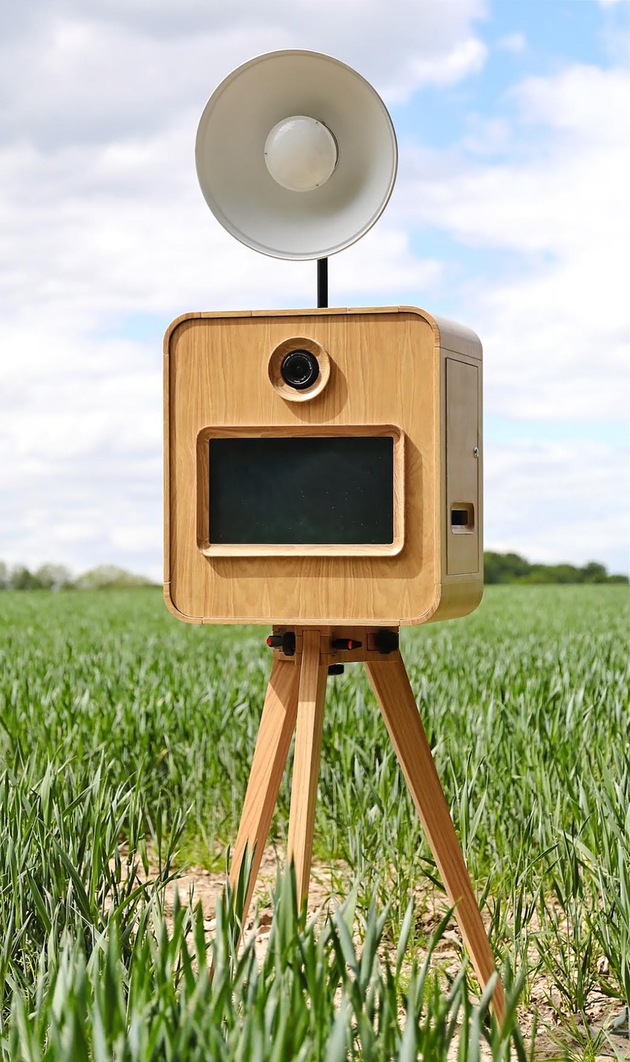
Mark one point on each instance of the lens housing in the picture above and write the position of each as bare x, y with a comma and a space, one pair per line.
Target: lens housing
299, 369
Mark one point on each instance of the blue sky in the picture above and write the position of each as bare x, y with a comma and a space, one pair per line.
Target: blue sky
555, 34
510, 214
525, 38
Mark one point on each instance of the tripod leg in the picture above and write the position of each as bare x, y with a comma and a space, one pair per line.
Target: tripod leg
277, 724
400, 712
308, 743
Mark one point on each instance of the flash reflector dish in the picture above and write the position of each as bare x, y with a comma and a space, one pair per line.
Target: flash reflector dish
233, 170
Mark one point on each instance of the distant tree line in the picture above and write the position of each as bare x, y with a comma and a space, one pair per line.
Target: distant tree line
58, 577
512, 568
499, 568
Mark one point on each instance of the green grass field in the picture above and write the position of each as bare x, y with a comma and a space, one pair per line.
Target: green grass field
125, 735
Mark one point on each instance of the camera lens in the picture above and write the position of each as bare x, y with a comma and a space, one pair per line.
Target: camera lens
299, 369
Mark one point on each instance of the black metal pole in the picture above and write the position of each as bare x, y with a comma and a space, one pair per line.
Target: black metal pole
322, 282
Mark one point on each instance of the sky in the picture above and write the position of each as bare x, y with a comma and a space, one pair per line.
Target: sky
510, 214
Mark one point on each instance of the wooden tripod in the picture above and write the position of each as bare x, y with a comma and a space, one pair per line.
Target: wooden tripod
297, 691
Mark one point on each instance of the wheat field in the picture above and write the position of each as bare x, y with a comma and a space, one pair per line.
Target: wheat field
125, 743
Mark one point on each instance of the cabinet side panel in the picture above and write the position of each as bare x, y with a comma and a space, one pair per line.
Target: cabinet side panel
462, 468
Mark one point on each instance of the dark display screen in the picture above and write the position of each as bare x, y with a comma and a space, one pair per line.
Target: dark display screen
331, 490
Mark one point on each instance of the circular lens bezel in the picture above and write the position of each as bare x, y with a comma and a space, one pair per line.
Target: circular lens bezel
308, 390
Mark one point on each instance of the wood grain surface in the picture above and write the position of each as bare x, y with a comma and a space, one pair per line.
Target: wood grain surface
400, 712
387, 367
308, 743
277, 724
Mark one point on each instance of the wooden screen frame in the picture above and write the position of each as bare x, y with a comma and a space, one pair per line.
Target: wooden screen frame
258, 549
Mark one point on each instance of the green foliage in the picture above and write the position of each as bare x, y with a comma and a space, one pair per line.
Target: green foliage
512, 568
498, 568
47, 577
58, 577
62, 872
109, 577
116, 721
315, 997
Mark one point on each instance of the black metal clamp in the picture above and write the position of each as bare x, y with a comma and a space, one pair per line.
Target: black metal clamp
285, 641
386, 641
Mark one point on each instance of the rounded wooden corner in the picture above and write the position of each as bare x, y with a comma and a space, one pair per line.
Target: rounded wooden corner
198, 315
425, 316
454, 600
449, 335
429, 613
471, 602
174, 325
173, 609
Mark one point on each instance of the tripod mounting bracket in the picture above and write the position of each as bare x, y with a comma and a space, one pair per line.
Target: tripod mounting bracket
338, 644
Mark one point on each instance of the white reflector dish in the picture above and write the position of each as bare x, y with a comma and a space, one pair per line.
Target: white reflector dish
298, 222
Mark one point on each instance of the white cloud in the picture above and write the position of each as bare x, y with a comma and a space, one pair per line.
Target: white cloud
104, 224
586, 100
555, 325
558, 502
441, 69
110, 70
